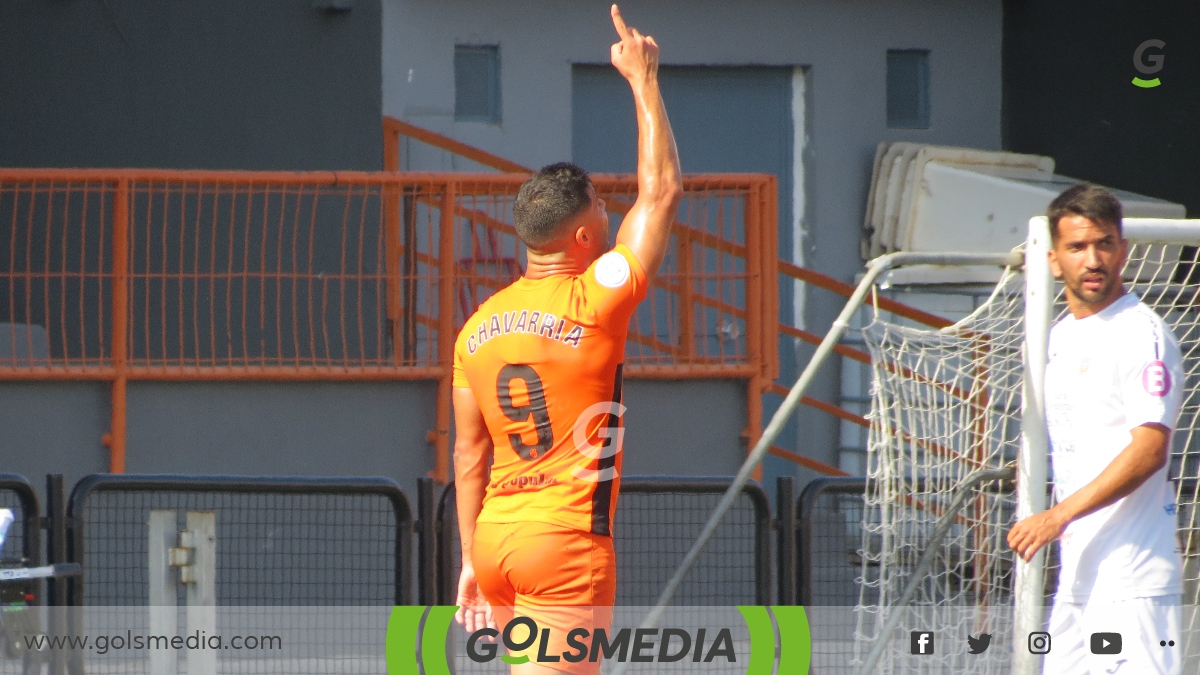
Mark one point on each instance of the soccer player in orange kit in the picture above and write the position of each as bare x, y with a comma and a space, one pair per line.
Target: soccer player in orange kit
537, 388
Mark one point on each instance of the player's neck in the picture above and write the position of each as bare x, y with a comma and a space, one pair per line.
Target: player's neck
1082, 310
542, 265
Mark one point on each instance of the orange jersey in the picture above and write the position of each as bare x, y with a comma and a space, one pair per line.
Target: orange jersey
543, 360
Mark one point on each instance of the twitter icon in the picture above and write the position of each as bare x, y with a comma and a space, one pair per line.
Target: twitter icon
979, 645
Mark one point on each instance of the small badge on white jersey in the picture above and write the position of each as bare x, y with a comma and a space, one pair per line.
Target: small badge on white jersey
612, 270
1156, 379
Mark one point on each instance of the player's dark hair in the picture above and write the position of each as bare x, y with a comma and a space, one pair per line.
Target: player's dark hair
554, 196
1084, 199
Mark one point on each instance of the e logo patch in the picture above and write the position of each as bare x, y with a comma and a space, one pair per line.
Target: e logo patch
612, 270
1156, 379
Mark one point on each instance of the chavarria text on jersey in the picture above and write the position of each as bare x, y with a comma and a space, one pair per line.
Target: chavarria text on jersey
526, 322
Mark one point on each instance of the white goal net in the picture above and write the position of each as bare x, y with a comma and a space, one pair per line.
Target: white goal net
948, 402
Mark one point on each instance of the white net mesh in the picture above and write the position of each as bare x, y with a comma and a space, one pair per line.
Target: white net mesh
947, 402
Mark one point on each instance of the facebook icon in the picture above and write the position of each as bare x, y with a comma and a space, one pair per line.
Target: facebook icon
922, 642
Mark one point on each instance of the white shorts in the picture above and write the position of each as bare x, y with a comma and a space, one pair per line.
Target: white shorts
1144, 624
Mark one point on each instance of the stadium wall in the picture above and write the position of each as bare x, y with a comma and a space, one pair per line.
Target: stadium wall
841, 48
274, 85
1070, 94
223, 84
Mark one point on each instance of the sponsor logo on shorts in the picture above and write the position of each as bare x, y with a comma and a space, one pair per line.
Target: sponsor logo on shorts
1156, 379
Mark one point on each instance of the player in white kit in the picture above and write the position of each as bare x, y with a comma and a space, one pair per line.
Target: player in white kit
1114, 386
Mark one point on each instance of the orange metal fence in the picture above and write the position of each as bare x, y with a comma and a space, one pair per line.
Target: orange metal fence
395, 130
119, 275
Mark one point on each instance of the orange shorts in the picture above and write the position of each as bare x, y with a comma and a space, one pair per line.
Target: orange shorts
561, 578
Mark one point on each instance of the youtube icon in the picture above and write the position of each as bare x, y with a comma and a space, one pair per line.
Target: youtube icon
1106, 643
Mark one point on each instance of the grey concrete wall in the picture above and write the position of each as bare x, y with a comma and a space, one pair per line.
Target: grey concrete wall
689, 428
842, 46
245, 428
53, 427
302, 428
273, 84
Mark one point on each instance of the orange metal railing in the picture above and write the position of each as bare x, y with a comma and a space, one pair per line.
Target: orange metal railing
695, 251
759, 385
125, 275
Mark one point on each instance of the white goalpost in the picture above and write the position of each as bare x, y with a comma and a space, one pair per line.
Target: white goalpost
958, 450
949, 403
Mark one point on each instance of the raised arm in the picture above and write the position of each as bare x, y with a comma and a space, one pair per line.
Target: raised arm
647, 227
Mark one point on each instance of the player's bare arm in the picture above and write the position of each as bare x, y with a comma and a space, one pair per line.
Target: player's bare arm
647, 227
1141, 459
472, 457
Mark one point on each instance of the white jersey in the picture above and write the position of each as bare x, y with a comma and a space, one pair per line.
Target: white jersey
1108, 374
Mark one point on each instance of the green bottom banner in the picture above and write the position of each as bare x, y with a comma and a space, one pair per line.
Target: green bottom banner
753, 640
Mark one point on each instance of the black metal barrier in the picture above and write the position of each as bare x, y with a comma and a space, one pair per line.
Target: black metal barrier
18, 494
282, 540
657, 520
351, 541
829, 534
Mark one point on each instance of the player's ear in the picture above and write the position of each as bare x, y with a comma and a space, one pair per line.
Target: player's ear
1055, 268
583, 237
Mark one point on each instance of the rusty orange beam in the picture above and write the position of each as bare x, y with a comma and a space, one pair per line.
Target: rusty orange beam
770, 274
446, 336
115, 438
57, 373
285, 373
823, 406
819, 467
391, 126
696, 371
435, 181
811, 338
846, 290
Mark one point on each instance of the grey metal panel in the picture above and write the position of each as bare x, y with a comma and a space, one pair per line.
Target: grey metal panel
53, 427
219, 85
684, 427
282, 428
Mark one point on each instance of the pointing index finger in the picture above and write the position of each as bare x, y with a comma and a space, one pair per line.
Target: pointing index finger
619, 23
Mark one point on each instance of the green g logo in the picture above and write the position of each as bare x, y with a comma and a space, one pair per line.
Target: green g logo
1148, 64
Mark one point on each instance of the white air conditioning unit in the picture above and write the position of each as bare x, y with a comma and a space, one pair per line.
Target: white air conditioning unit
939, 198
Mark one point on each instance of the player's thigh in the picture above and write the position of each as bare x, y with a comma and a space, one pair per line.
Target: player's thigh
1144, 625
565, 580
1068, 643
558, 566
491, 545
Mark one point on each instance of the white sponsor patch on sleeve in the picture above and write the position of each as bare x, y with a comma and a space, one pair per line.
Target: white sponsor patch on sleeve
612, 270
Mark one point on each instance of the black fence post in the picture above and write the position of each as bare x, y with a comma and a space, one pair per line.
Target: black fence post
56, 542
785, 520
56, 552
807, 521
447, 581
427, 571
